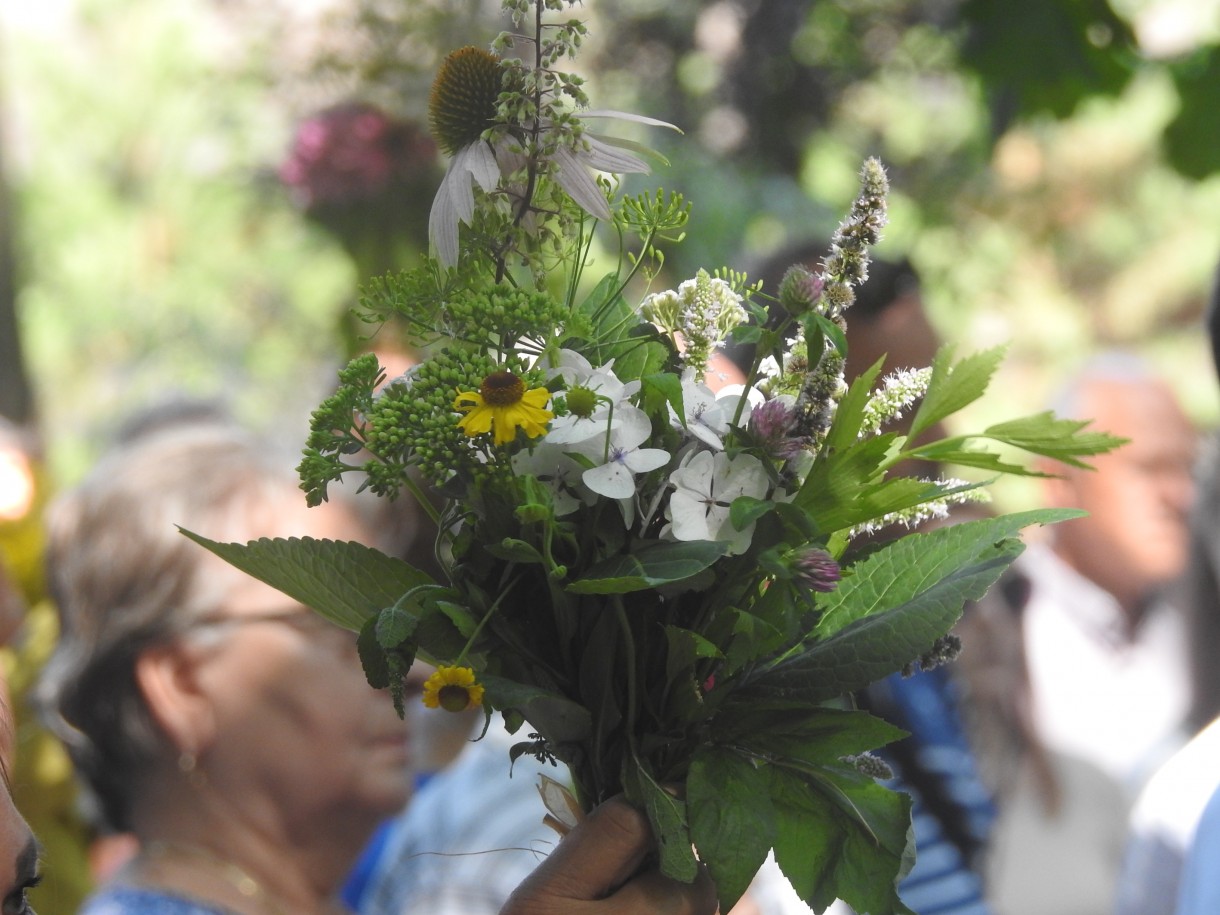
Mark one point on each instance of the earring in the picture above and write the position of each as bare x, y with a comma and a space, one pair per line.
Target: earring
188, 766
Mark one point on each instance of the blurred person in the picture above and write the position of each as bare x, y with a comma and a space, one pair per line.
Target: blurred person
1167, 812
229, 729
1199, 892
1076, 681
19, 856
1106, 650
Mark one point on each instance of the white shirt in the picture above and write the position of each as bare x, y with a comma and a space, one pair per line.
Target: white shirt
1099, 693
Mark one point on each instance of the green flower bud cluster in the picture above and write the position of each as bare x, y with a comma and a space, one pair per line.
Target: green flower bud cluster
333, 430
501, 315
415, 423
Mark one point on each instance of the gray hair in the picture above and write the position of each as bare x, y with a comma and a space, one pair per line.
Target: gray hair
124, 579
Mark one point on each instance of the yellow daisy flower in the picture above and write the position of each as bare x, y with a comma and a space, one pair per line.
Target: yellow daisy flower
501, 406
454, 689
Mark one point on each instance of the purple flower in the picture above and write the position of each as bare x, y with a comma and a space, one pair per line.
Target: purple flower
771, 425
816, 569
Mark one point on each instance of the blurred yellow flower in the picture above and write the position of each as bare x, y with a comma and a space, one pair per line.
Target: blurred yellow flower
454, 689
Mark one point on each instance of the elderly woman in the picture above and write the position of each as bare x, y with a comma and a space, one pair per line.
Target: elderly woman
230, 729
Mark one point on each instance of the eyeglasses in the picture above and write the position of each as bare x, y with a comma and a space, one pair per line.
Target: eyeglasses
310, 624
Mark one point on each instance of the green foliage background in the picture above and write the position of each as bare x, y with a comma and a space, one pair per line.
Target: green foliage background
1058, 196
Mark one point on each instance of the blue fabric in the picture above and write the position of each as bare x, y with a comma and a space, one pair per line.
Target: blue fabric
1199, 893
942, 882
130, 900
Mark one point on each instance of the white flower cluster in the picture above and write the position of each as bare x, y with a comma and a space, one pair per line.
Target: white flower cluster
699, 315
600, 453
897, 392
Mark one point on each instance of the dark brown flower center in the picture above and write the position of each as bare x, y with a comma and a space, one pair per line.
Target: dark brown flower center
463, 99
453, 698
502, 389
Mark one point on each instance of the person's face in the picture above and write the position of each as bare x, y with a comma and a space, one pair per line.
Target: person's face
296, 724
1138, 497
18, 858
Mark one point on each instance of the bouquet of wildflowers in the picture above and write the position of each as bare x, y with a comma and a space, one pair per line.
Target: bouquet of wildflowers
663, 586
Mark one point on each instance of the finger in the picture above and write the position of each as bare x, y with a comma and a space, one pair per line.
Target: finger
598, 855
655, 894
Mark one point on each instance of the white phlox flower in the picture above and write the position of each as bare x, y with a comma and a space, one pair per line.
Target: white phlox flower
613, 396
705, 485
708, 415
623, 457
559, 471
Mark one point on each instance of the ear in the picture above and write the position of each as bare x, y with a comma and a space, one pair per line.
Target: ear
173, 691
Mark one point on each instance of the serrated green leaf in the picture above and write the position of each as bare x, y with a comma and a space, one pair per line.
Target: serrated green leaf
655, 565
732, 821
394, 626
346, 582
844, 429
820, 734
954, 386
896, 604
557, 718
1062, 439
841, 837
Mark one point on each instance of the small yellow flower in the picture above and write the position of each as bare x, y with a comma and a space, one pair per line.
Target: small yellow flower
501, 406
454, 689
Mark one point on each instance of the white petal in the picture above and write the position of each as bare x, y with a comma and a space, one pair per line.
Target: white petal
643, 460
480, 162
627, 116
612, 480
578, 183
443, 224
605, 156
688, 517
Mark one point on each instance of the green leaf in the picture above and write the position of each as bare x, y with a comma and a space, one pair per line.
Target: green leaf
557, 718
372, 655
732, 821
660, 389
954, 386
685, 647
818, 735
896, 604
1190, 138
745, 510
394, 626
841, 836
346, 582
667, 814
1062, 439
655, 565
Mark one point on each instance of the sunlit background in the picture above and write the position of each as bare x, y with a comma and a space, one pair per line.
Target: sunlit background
1055, 170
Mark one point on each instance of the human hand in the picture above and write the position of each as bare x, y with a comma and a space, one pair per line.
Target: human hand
593, 872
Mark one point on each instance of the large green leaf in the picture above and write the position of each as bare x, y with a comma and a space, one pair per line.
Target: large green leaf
732, 821
896, 604
667, 814
841, 836
346, 582
655, 565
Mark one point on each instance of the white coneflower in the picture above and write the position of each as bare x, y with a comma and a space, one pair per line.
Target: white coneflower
462, 112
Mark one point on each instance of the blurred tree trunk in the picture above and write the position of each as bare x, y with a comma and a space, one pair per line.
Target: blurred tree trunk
16, 398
